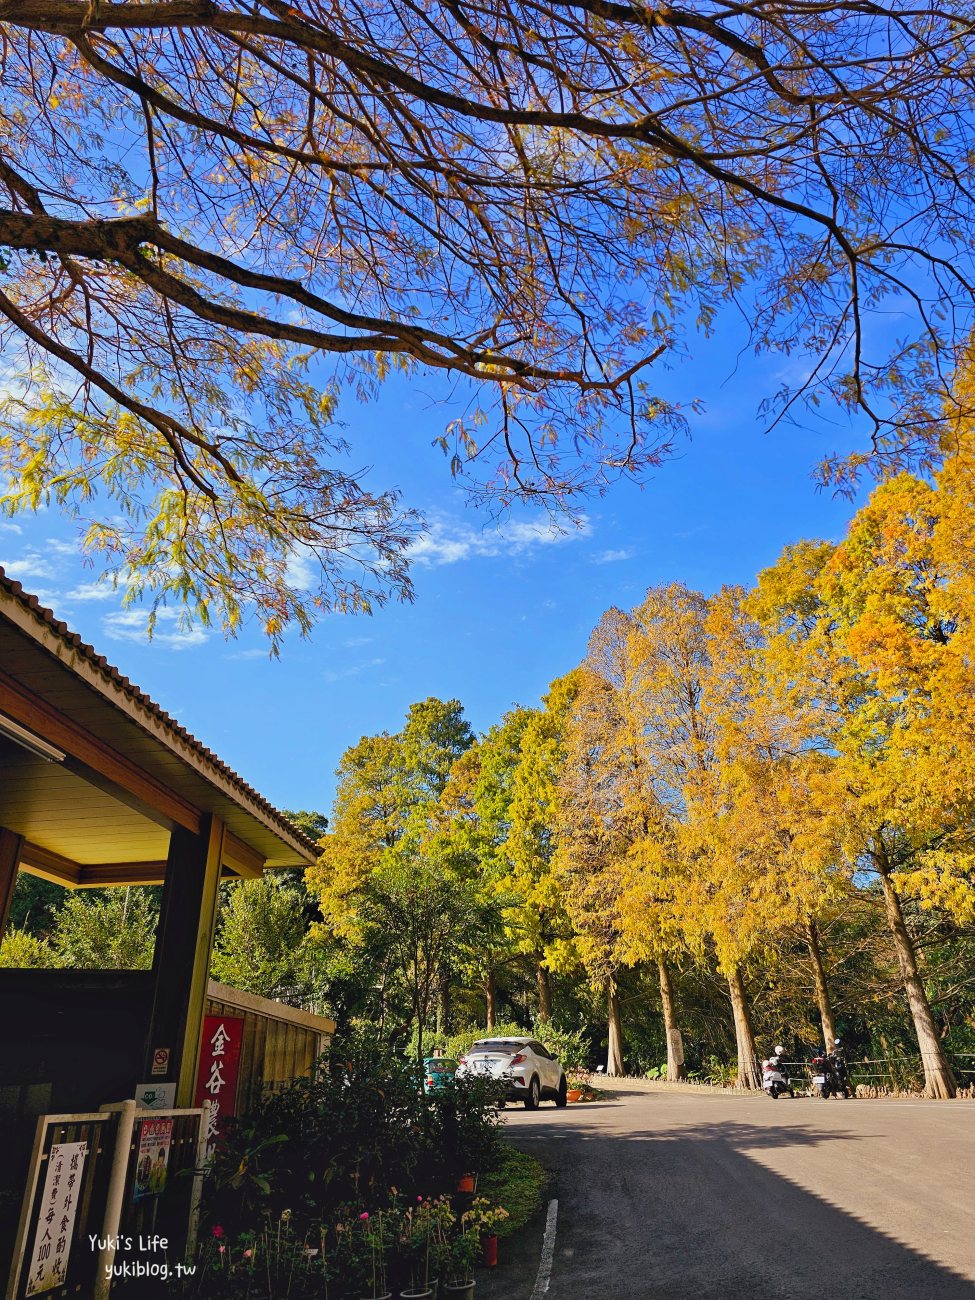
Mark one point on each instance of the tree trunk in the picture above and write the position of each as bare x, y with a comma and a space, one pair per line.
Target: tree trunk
939, 1080
543, 984
614, 1055
490, 1000
748, 1075
822, 988
675, 1044
443, 1006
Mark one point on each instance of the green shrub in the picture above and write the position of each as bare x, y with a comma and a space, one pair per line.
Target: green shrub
569, 1046
721, 1073
460, 1044
359, 1129
21, 949
517, 1184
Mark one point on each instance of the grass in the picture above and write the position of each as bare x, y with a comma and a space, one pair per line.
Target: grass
518, 1184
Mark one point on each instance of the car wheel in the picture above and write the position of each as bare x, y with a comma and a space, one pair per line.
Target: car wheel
534, 1094
562, 1096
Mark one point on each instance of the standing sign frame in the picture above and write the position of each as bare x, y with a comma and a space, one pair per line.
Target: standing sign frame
110, 1165
100, 1125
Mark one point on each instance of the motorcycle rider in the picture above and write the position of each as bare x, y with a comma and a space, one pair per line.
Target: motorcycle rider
838, 1063
774, 1080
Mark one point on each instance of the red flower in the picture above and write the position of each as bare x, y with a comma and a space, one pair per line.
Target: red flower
364, 1214
218, 1231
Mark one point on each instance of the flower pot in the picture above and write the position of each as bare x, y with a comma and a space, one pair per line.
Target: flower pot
465, 1183
425, 1293
458, 1291
489, 1251
574, 1094
387, 1295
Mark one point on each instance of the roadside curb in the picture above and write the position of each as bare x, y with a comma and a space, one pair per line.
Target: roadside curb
521, 1261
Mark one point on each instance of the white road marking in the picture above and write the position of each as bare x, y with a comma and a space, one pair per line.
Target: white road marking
548, 1253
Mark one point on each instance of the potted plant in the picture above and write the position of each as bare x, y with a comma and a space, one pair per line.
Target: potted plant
459, 1256
423, 1229
360, 1255
484, 1218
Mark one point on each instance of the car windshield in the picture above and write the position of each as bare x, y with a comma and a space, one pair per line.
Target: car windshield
499, 1045
441, 1063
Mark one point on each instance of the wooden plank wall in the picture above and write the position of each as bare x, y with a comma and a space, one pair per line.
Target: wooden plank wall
272, 1054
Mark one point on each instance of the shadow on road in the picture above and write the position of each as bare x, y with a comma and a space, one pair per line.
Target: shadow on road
686, 1213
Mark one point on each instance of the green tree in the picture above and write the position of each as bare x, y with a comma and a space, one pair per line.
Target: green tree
423, 918
538, 922
111, 929
263, 943
35, 903
386, 826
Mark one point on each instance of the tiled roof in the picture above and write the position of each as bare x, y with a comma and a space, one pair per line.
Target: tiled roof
115, 678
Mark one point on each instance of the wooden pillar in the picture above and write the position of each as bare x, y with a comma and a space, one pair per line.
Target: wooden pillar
10, 846
181, 965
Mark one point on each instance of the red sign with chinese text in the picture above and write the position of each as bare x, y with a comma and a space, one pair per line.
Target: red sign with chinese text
219, 1064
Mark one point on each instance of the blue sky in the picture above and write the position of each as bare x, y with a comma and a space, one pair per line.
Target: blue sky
498, 614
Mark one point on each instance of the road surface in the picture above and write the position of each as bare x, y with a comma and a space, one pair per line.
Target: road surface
689, 1195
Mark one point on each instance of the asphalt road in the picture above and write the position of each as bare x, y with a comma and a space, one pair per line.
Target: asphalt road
696, 1196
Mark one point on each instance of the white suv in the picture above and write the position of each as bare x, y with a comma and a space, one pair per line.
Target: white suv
531, 1072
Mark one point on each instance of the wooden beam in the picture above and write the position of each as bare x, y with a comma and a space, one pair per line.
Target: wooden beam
87, 750
106, 874
241, 858
50, 865
10, 850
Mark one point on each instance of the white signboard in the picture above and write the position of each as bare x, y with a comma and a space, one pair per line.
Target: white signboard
156, 1096
48, 1261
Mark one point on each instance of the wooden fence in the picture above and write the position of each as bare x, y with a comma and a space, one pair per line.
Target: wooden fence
279, 1043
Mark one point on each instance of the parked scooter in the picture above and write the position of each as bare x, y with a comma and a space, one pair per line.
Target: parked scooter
774, 1081
829, 1076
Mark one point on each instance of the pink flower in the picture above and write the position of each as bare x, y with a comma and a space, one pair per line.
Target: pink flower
247, 1254
218, 1231
420, 1199
222, 1249
364, 1214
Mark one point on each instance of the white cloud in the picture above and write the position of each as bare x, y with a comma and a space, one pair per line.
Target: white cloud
446, 542
54, 546
133, 625
613, 557
354, 670
92, 591
28, 568
8, 526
